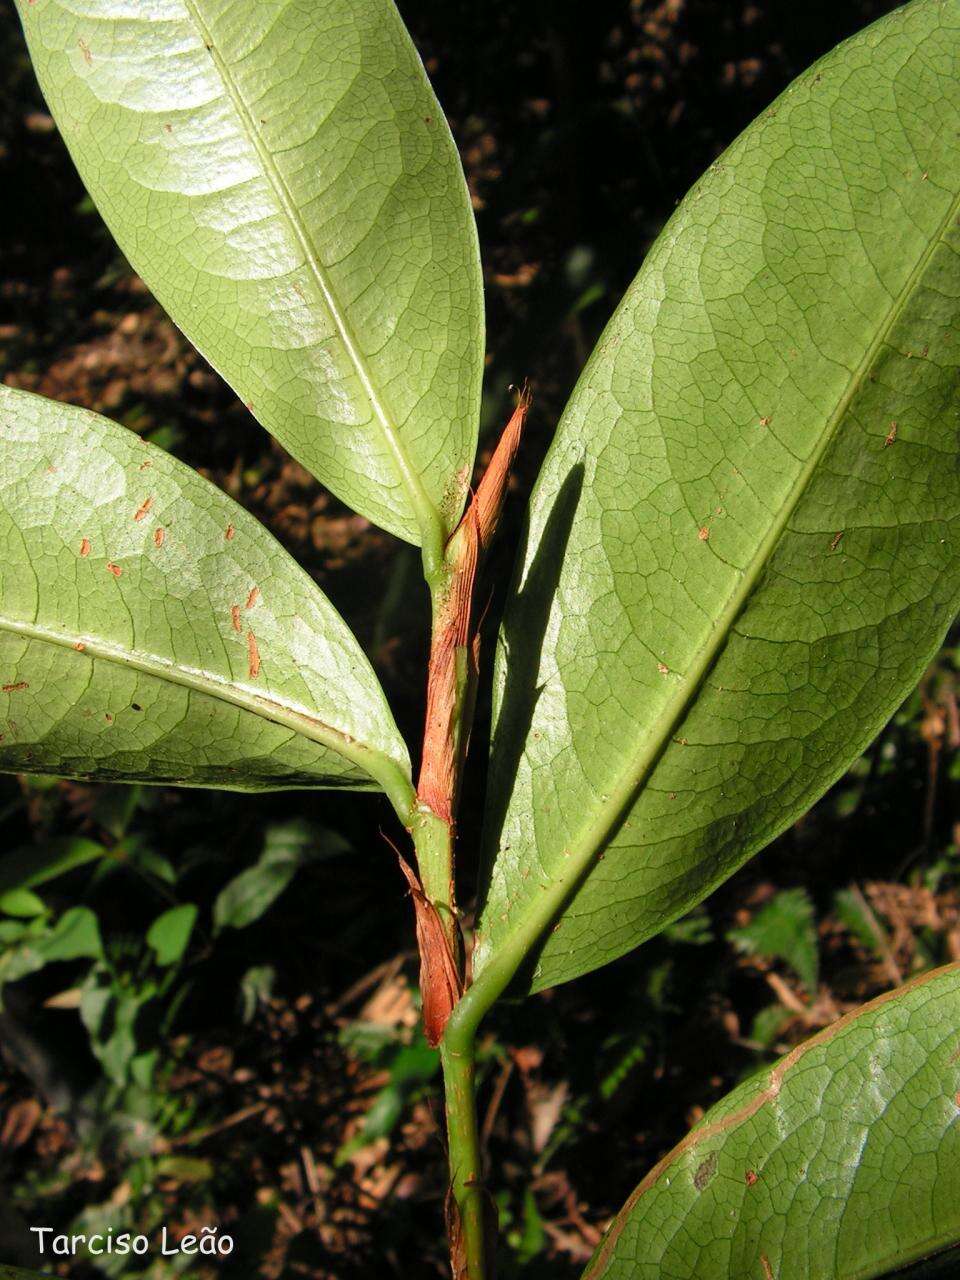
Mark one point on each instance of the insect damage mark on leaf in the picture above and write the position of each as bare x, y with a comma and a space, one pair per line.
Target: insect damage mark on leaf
891, 435
114, 569
705, 1171
14, 688
440, 984
252, 598
229, 532
767, 1269
85, 51
85, 547
253, 656
835, 542
235, 617
142, 510
158, 537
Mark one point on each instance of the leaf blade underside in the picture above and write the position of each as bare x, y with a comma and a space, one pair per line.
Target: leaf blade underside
742, 548
841, 1162
284, 180
151, 630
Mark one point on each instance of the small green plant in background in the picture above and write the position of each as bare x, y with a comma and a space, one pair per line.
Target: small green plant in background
739, 557
127, 984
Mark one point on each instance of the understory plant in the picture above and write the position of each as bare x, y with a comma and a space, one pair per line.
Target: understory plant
740, 555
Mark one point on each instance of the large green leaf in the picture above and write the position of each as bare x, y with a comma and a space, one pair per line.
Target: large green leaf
281, 175
151, 629
743, 547
842, 1162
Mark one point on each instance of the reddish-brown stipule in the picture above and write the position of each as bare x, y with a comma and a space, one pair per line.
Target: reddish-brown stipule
440, 984
454, 647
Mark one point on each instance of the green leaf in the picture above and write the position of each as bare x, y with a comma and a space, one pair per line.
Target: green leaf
409, 1068
529, 1238
151, 630
286, 848
76, 936
256, 989
736, 567
185, 1169
251, 893
31, 865
841, 1162
109, 1011
28, 948
784, 929
170, 933
855, 912
22, 903
284, 180
768, 1024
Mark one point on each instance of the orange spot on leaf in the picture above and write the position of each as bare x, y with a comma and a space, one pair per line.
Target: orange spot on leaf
85, 547
252, 598
79, 646
750, 1178
230, 531
142, 510
114, 569
85, 50
703, 533
253, 656
158, 537
14, 688
235, 617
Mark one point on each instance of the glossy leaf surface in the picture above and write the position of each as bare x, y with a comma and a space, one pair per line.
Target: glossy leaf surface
743, 547
282, 177
842, 1162
151, 629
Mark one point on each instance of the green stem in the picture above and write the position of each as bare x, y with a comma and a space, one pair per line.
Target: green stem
466, 1174
433, 841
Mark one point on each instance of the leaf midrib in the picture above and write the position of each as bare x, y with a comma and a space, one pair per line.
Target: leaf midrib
426, 513
375, 764
580, 852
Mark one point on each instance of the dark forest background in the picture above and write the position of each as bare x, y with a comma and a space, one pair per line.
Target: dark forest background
270, 1077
